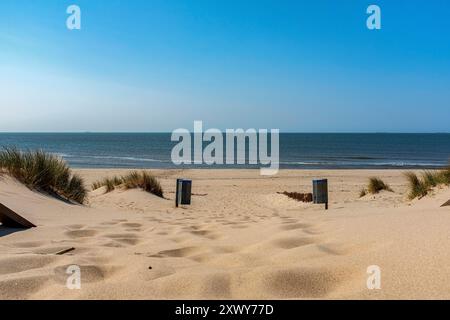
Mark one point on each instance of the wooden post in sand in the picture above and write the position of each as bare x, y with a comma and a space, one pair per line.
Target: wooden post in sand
9, 218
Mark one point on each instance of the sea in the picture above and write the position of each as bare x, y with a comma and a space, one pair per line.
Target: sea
297, 150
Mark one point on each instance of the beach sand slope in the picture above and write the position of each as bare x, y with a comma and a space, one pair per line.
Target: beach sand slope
239, 239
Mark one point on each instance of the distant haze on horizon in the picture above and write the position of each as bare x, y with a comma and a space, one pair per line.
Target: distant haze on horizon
154, 66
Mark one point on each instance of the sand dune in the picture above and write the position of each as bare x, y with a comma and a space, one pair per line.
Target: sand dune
239, 239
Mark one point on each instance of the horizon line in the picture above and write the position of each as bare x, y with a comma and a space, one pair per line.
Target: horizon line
169, 132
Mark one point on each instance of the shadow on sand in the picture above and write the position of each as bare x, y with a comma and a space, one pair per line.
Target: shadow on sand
5, 231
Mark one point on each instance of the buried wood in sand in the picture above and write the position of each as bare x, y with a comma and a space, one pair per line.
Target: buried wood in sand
9, 218
61, 252
447, 204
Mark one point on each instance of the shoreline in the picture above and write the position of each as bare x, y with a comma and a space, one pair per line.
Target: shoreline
296, 150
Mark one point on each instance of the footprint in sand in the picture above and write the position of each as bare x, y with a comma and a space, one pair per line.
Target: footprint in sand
124, 238
311, 231
180, 239
109, 223
302, 282
240, 226
23, 287
225, 249
294, 226
177, 253
292, 242
227, 223
158, 272
112, 244
206, 234
334, 249
75, 226
131, 224
288, 220
212, 253
83, 233
28, 244
152, 219
133, 229
90, 273
193, 227
24, 263
217, 286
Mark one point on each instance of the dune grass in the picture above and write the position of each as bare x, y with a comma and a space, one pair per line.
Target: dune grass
421, 186
109, 183
417, 188
376, 185
43, 172
132, 180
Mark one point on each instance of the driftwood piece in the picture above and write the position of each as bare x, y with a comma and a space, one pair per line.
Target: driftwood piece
64, 251
9, 218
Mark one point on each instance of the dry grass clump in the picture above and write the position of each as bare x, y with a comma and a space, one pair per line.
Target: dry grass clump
43, 172
376, 185
303, 197
416, 186
132, 180
420, 186
109, 183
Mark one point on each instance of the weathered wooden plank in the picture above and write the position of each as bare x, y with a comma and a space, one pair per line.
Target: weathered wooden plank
9, 218
447, 204
64, 251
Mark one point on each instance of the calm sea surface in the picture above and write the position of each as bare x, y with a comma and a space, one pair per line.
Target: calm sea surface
297, 150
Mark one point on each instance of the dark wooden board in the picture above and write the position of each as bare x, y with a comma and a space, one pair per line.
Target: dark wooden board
447, 204
9, 218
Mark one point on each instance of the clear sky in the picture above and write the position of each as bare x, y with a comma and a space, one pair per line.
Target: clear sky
157, 65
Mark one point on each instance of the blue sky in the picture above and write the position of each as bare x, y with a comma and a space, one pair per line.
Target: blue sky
157, 65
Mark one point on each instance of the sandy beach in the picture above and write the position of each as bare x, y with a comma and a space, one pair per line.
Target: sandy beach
240, 239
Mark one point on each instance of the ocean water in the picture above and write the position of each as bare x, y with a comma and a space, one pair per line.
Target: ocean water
297, 150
